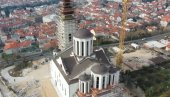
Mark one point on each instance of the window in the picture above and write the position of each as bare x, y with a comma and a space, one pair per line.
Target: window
77, 48
109, 79
69, 37
87, 48
82, 48
92, 80
113, 79
97, 82
103, 82
83, 87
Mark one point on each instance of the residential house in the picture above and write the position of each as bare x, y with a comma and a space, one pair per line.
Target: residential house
165, 21
12, 47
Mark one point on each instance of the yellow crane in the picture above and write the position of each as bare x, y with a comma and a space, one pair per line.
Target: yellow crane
119, 56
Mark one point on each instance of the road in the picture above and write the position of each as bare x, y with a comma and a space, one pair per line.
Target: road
139, 41
5, 91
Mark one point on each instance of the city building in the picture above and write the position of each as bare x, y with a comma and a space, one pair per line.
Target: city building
81, 71
167, 47
154, 44
66, 24
49, 18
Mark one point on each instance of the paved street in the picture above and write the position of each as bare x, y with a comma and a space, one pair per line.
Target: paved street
140, 41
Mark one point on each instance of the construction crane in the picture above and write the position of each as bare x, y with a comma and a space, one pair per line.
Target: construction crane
119, 56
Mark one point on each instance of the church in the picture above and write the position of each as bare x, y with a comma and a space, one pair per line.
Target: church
79, 70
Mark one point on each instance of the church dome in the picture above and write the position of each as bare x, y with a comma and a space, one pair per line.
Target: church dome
112, 70
83, 33
84, 77
99, 69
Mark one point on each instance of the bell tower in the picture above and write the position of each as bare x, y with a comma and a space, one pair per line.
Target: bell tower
67, 24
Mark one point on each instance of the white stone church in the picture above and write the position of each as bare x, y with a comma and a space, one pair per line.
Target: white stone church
81, 71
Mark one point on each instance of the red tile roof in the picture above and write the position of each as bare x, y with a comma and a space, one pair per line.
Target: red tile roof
166, 18
52, 43
168, 46
12, 45
15, 44
25, 43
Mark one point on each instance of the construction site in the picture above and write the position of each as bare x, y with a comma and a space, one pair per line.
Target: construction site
140, 58
35, 83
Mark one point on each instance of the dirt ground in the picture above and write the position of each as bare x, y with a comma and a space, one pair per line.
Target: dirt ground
37, 83
136, 60
47, 90
140, 58
142, 53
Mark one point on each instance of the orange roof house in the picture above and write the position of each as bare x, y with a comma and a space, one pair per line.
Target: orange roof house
166, 18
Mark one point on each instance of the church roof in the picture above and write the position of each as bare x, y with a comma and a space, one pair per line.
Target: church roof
101, 57
99, 69
69, 63
76, 68
83, 33
112, 69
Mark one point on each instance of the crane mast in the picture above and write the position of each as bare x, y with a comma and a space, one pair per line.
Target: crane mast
119, 56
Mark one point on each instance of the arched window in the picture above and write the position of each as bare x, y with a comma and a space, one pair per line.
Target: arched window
113, 79
87, 86
103, 82
83, 87
97, 82
82, 48
109, 78
77, 48
87, 48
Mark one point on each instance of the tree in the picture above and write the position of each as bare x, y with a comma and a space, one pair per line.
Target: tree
6, 57
24, 64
